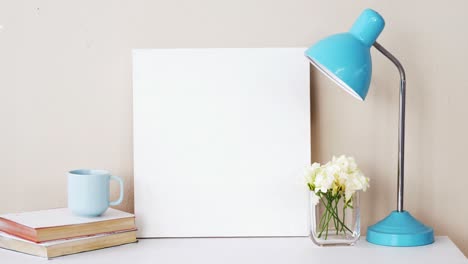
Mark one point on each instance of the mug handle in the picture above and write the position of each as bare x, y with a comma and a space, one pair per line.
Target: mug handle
118, 201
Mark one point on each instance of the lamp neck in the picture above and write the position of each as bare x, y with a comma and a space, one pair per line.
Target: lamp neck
401, 127
368, 27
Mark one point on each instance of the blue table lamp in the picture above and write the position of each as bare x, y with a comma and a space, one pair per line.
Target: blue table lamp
345, 58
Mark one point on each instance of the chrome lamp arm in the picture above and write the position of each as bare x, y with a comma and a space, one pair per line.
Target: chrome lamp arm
401, 127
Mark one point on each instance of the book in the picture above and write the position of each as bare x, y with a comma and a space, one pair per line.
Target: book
63, 247
60, 223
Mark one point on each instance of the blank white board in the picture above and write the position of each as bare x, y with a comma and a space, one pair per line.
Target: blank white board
220, 139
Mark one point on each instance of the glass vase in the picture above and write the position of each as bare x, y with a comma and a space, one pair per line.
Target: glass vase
333, 221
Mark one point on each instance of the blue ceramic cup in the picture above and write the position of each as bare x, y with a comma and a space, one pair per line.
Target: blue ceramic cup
88, 192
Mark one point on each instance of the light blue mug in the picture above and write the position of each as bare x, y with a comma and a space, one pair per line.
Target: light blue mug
88, 191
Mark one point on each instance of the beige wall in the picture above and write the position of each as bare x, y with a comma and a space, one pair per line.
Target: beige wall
66, 94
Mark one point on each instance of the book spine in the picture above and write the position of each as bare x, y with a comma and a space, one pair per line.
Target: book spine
19, 230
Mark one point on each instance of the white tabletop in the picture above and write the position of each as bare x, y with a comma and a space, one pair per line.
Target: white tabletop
251, 250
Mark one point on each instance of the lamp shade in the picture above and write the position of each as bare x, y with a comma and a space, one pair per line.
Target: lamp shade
345, 57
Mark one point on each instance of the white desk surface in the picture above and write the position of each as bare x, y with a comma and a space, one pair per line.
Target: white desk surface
251, 250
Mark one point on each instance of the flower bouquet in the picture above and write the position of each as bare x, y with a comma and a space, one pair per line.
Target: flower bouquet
334, 200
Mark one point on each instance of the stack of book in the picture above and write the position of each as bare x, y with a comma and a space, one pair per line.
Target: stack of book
57, 232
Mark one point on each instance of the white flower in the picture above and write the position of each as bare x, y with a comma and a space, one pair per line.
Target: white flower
310, 174
355, 182
341, 176
346, 164
325, 177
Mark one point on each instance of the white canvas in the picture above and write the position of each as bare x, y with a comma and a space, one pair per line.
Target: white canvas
220, 140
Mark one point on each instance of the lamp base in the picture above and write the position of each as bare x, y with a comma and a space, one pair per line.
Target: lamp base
400, 229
